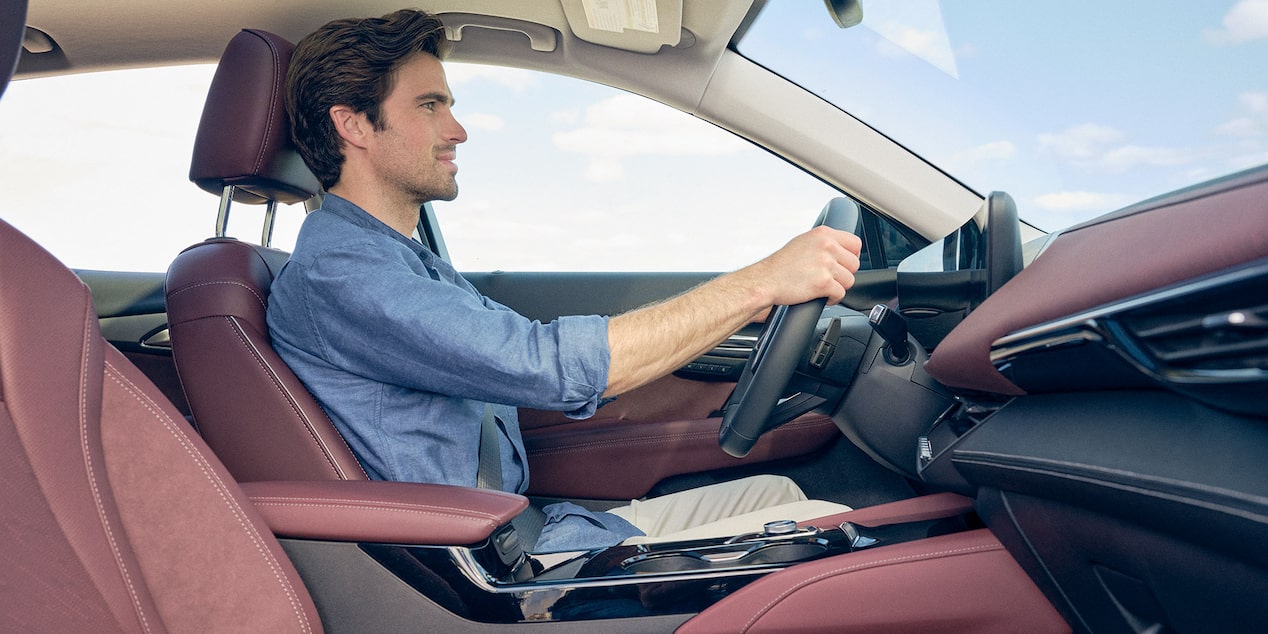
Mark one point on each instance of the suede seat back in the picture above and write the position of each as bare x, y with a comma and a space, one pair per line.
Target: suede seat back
117, 516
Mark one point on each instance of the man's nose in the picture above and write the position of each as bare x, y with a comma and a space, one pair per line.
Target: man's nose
456, 133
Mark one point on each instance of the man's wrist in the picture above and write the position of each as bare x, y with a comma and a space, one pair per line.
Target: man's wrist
751, 287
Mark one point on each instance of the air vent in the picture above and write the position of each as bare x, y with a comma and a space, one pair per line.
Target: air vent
1206, 338
1220, 331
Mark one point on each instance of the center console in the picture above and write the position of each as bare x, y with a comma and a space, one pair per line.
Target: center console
495, 584
392, 556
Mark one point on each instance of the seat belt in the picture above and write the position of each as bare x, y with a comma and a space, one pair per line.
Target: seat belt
489, 476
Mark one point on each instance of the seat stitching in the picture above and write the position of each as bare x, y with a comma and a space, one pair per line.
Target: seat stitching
233, 282
861, 566
400, 507
481, 519
273, 89
221, 489
290, 398
92, 478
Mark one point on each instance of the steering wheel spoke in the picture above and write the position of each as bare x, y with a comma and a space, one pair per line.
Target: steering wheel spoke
755, 407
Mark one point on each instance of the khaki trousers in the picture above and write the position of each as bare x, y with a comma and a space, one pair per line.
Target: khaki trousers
722, 510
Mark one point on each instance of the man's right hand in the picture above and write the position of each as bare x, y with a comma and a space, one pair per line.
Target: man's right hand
818, 263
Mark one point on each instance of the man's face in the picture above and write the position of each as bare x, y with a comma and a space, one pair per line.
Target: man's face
415, 149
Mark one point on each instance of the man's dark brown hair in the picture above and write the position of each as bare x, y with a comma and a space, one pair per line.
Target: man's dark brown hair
352, 63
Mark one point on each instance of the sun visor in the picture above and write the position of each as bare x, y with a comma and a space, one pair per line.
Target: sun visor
641, 26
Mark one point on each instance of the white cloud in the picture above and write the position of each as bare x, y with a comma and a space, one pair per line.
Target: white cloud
1081, 142
627, 126
1246, 21
517, 79
1079, 202
482, 121
1253, 117
566, 117
1101, 147
1127, 157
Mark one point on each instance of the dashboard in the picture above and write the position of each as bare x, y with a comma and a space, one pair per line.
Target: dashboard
1111, 412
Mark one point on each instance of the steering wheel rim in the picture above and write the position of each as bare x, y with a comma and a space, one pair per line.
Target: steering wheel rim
779, 350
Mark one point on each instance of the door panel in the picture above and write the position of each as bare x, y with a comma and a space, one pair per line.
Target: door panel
663, 429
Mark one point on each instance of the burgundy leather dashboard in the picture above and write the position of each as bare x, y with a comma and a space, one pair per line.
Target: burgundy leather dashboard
1190, 233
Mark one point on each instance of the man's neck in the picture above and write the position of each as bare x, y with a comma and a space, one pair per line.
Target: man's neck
400, 215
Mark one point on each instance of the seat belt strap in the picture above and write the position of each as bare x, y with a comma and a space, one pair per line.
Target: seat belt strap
489, 476
489, 473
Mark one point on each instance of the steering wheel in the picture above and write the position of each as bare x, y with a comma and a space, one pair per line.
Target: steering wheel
782, 345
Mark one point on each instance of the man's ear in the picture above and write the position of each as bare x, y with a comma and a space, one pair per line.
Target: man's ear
352, 126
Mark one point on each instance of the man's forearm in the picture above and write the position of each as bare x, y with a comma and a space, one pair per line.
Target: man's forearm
655, 340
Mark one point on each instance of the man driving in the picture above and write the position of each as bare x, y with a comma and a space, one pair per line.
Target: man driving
421, 373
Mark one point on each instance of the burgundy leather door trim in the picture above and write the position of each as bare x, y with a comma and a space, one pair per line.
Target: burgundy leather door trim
633, 457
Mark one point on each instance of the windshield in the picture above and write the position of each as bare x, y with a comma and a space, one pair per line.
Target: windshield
1074, 108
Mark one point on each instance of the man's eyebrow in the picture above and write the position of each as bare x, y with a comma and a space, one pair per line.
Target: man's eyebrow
442, 97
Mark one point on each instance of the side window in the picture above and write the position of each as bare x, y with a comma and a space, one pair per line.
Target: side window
896, 242
96, 168
560, 174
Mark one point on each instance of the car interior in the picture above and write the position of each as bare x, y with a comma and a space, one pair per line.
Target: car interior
1037, 432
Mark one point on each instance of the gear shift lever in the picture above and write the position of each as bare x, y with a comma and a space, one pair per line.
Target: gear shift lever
893, 329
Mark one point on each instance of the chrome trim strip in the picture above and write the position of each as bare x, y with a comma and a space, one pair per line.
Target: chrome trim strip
474, 572
1079, 319
222, 216
266, 233
161, 340
1082, 333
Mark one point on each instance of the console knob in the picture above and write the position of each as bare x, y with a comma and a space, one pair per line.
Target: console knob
779, 527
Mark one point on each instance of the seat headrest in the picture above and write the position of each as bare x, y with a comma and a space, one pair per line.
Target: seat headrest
244, 137
12, 28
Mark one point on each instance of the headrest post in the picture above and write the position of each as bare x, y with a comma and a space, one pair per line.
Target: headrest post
222, 218
266, 235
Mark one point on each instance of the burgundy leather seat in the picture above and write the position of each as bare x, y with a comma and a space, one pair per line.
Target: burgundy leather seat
253, 412
101, 480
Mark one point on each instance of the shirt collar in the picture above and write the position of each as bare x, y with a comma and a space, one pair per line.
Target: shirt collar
359, 217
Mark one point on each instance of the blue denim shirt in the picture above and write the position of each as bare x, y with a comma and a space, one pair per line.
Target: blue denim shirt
403, 354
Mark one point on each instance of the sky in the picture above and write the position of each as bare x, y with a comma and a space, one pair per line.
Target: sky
1075, 108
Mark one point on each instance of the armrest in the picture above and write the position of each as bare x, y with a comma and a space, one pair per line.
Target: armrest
384, 512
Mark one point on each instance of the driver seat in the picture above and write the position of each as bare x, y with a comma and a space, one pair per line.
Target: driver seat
247, 404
